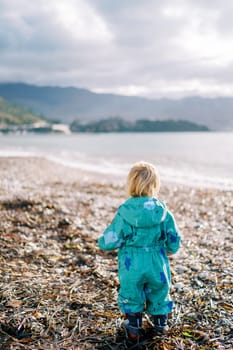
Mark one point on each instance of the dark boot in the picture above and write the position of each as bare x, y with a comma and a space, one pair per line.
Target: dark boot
160, 324
133, 325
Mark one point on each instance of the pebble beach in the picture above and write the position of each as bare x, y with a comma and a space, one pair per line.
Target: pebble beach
59, 291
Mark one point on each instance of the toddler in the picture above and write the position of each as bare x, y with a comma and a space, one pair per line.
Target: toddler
144, 232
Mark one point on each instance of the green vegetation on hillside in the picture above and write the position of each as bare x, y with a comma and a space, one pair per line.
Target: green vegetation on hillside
18, 118
11, 114
142, 125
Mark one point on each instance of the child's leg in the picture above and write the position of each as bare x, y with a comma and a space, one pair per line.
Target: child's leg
158, 301
131, 300
160, 324
133, 325
131, 297
159, 305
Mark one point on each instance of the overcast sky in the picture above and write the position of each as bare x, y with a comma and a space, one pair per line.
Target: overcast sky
152, 48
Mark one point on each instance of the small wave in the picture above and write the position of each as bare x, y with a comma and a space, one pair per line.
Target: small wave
193, 179
185, 175
168, 174
97, 166
16, 153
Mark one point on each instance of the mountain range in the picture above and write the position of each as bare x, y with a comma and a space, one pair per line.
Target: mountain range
66, 104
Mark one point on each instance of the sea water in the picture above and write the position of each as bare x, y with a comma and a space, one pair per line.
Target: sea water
199, 159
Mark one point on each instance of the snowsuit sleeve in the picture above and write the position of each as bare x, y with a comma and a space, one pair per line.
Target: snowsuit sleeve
172, 234
112, 237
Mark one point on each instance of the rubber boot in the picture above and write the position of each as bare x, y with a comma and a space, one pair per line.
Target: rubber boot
160, 324
133, 325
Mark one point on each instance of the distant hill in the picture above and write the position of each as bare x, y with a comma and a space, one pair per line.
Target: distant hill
11, 114
69, 104
142, 125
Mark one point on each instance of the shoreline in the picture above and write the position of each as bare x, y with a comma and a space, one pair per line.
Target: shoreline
187, 160
59, 290
73, 172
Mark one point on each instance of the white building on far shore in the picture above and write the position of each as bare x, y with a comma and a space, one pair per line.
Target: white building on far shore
63, 128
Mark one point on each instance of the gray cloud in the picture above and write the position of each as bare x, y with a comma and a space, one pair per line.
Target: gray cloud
152, 48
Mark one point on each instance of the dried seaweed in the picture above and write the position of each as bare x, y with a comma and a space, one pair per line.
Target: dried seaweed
59, 291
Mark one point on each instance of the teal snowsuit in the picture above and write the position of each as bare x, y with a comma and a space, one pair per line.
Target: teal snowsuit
143, 231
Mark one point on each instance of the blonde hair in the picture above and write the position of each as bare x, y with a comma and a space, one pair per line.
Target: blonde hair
143, 180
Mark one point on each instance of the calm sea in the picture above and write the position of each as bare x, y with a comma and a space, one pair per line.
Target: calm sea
197, 159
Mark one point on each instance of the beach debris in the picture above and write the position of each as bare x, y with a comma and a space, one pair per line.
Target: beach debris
59, 291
